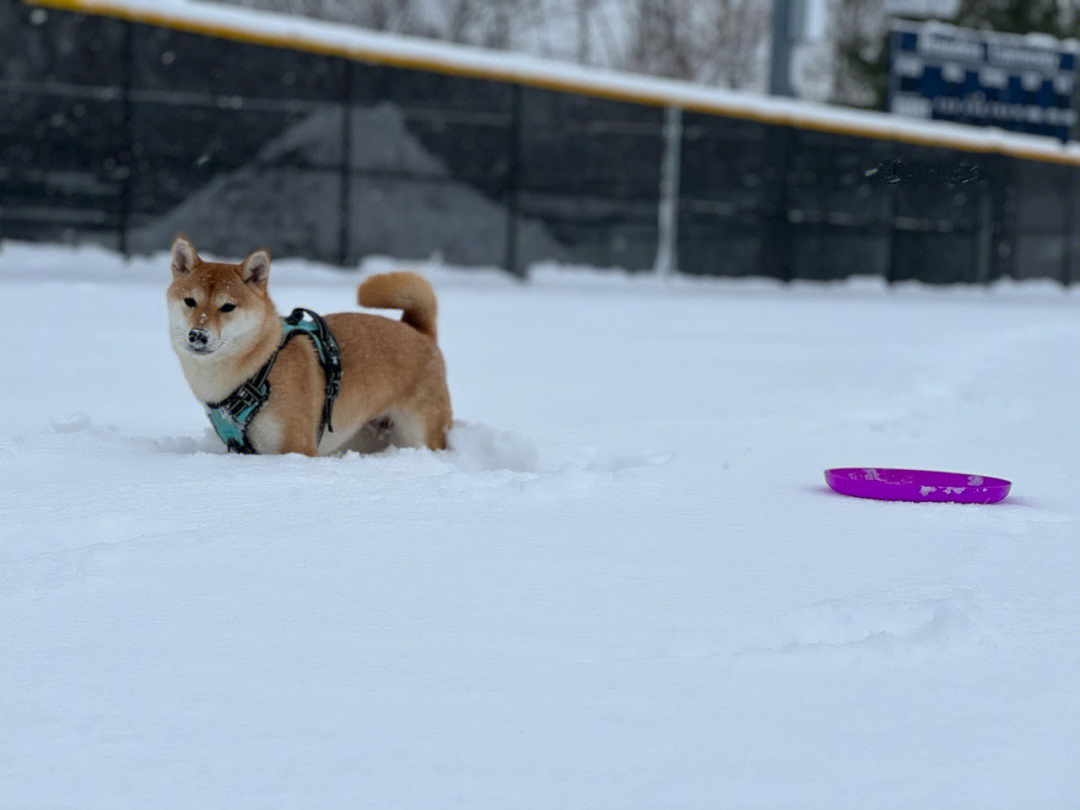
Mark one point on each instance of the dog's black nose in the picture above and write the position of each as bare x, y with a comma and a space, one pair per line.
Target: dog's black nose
198, 338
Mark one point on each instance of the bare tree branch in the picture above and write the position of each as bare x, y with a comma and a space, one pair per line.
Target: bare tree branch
714, 41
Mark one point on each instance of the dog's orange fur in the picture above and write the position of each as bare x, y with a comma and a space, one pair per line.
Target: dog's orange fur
393, 378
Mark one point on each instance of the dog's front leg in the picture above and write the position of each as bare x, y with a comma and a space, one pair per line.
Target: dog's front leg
299, 443
272, 433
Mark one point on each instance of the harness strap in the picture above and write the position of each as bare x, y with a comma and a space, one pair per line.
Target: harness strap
312, 324
232, 416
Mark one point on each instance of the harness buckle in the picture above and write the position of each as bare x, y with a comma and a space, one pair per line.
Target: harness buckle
248, 395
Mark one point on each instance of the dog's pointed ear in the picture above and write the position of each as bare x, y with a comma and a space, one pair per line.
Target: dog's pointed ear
256, 268
184, 257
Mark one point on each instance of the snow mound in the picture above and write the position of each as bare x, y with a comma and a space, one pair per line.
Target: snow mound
894, 629
475, 448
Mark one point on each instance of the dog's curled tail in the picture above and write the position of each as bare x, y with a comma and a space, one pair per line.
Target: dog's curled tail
405, 291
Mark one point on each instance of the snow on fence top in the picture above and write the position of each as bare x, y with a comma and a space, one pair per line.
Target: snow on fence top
334, 39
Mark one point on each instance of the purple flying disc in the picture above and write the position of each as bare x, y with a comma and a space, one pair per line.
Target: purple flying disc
916, 485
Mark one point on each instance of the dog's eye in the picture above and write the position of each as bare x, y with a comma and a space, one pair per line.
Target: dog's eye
190, 302
228, 307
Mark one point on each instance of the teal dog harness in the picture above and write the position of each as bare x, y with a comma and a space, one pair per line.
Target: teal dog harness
232, 416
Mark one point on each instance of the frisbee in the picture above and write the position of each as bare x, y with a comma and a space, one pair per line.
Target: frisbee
885, 484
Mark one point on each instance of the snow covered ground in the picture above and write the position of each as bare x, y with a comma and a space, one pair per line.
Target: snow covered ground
626, 586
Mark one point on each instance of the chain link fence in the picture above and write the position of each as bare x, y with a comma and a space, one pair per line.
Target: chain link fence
126, 134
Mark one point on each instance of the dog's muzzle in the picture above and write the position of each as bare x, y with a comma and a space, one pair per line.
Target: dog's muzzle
198, 340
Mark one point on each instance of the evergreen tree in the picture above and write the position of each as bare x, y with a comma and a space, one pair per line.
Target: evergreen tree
1019, 16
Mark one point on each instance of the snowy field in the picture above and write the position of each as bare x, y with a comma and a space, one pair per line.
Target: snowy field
625, 586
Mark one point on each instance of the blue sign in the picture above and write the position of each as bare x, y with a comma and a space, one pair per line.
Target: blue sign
1019, 83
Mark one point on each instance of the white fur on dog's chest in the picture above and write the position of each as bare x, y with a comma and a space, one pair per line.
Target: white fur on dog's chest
205, 379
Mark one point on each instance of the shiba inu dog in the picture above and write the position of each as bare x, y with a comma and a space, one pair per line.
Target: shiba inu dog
267, 393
